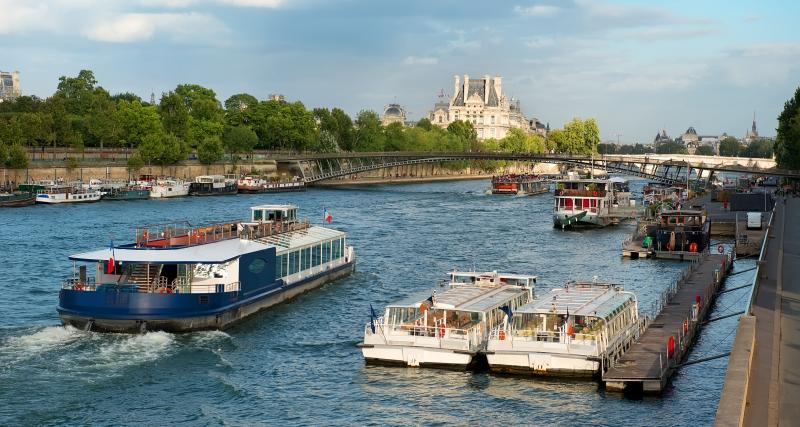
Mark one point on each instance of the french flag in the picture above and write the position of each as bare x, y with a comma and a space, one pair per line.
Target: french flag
110, 268
327, 215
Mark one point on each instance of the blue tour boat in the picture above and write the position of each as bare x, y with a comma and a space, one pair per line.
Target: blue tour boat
183, 277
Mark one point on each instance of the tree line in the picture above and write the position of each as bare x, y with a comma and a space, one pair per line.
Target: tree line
191, 119
728, 147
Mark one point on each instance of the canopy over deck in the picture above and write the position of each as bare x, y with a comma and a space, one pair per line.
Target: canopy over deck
491, 274
299, 238
467, 298
581, 299
209, 253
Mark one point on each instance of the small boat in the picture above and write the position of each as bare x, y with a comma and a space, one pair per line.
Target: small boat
183, 277
169, 187
250, 185
447, 329
127, 193
573, 331
58, 194
17, 199
591, 202
680, 234
519, 184
212, 185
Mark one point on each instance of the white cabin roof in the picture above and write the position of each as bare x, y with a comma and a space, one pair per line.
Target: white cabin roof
581, 299
209, 253
273, 207
467, 298
299, 238
490, 274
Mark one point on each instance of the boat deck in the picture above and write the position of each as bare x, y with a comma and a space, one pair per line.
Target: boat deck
647, 364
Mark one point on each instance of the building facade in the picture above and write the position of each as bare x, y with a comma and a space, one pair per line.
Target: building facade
9, 86
483, 103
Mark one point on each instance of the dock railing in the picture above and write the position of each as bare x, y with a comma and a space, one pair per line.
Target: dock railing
762, 253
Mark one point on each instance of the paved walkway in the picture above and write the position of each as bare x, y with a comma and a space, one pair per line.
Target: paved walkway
773, 396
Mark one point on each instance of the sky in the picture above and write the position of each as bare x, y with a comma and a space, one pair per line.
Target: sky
636, 67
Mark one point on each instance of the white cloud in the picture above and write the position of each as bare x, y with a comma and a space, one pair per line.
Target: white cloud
669, 33
254, 3
536, 10
420, 60
540, 42
17, 17
133, 27
176, 4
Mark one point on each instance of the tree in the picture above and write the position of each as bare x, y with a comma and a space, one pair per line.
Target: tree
465, 133
729, 147
127, 96
606, 148
3, 154
162, 148
517, 141
344, 132
369, 134
136, 121
671, 147
17, 157
787, 141
174, 115
239, 109
210, 151
135, 163
78, 91
395, 137
591, 135
102, 120
284, 125
704, 150
424, 124
239, 139
760, 147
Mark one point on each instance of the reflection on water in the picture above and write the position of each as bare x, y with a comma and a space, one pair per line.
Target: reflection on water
297, 363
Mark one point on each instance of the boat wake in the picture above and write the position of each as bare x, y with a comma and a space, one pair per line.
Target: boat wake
20, 348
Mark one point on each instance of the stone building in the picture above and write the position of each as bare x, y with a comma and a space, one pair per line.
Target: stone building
393, 113
483, 103
751, 134
9, 86
661, 138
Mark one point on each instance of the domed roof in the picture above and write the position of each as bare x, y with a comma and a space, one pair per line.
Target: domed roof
691, 131
393, 111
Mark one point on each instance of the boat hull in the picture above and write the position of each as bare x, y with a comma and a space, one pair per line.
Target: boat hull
196, 189
128, 195
566, 220
181, 312
70, 198
543, 364
413, 356
17, 202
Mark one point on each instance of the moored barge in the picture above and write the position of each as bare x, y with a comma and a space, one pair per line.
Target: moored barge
17, 199
519, 184
183, 277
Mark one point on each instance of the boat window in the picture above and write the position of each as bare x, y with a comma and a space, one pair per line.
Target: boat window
294, 262
258, 215
326, 252
281, 265
257, 266
315, 255
306, 258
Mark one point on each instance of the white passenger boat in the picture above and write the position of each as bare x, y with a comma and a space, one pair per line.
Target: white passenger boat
448, 328
589, 202
572, 331
164, 188
67, 194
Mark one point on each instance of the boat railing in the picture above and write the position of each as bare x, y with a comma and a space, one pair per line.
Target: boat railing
533, 335
264, 229
580, 193
186, 234
469, 338
76, 284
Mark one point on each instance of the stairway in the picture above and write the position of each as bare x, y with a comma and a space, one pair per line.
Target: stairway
141, 272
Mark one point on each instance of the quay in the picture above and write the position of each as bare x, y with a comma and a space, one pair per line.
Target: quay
763, 378
650, 362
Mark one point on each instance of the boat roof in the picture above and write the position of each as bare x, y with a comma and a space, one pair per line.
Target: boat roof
596, 180
684, 212
466, 298
490, 274
298, 238
581, 299
273, 207
209, 253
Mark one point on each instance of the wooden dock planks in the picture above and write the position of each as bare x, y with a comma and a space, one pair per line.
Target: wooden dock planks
646, 363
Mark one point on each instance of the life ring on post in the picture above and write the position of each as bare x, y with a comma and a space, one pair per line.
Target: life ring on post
502, 334
78, 286
441, 330
164, 290
146, 234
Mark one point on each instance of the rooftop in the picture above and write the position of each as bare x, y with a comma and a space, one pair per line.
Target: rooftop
299, 238
467, 298
209, 253
580, 299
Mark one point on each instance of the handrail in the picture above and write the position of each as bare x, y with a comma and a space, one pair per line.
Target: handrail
756, 281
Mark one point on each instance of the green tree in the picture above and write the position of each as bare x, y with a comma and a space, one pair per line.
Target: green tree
135, 163
174, 115
136, 121
704, 150
127, 96
464, 132
424, 123
344, 132
239, 140
395, 137
3, 154
671, 147
56, 107
239, 109
787, 141
607, 148
284, 125
729, 147
210, 151
101, 119
17, 157
591, 136
369, 134
77, 91
760, 147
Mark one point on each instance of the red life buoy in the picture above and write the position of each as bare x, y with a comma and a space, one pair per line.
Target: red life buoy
670, 346
441, 330
78, 287
502, 334
145, 234
164, 290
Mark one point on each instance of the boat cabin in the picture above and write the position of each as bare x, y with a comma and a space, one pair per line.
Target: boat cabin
264, 213
682, 231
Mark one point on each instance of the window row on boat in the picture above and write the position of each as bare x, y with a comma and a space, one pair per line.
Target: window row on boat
301, 259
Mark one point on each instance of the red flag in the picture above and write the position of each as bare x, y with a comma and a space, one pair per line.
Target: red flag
110, 268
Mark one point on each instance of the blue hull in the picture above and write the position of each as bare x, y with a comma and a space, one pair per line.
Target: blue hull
115, 311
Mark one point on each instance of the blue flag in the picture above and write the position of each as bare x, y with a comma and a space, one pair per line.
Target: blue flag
372, 318
507, 310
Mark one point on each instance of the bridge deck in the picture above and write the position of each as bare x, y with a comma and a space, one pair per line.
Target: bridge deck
646, 363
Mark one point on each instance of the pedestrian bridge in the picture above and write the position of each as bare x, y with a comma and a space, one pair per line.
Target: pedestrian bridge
316, 167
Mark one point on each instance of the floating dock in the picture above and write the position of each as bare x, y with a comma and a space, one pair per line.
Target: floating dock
651, 361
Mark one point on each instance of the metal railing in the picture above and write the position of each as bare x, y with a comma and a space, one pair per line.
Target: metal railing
761, 255
469, 338
75, 283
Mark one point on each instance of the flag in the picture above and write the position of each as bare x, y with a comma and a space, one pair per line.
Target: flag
372, 317
327, 216
110, 268
507, 310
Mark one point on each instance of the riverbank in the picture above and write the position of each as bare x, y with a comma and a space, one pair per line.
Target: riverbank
399, 180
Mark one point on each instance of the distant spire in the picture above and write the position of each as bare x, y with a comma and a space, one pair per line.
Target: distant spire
755, 131
152, 98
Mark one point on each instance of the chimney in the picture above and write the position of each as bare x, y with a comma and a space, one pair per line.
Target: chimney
498, 86
466, 87
486, 87
455, 86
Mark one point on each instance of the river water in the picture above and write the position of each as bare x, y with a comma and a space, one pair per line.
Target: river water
297, 364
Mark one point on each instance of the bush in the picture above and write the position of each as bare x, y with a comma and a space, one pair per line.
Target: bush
17, 157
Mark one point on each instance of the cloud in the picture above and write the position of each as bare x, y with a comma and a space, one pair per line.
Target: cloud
176, 4
16, 17
540, 42
134, 27
669, 33
420, 60
536, 10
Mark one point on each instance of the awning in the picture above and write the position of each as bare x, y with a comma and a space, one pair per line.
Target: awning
209, 253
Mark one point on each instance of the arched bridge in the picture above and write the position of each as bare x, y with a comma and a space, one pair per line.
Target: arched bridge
663, 168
